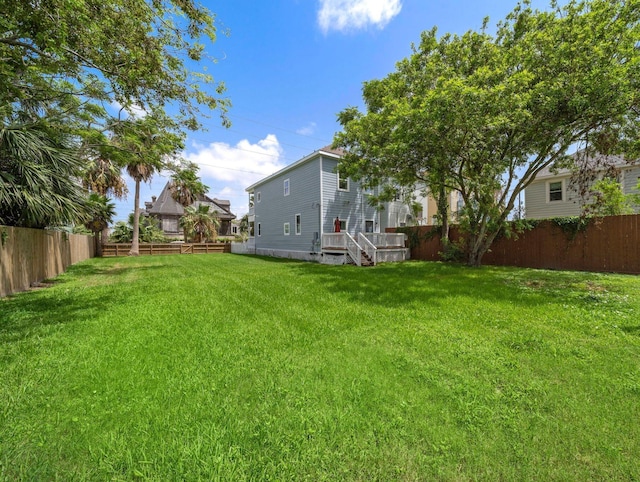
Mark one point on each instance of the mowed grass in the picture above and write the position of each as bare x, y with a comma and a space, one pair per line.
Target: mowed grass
224, 367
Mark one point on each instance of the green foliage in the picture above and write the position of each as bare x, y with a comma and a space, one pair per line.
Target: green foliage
61, 63
513, 228
38, 171
4, 235
185, 185
138, 368
572, 225
483, 114
608, 199
148, 231
200, 224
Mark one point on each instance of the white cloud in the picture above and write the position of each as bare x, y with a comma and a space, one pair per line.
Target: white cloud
133, 110
307, 130
343, 15
228, 170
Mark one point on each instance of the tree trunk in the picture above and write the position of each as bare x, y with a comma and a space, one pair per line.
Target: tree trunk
443, 212
104, 237
135, 240
97, 244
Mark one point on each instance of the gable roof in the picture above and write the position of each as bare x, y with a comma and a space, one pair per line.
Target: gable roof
325, 151
598, 162
165, 205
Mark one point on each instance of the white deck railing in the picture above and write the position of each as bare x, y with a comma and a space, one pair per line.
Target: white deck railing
353, 249
368, 247
333, 240
386, 240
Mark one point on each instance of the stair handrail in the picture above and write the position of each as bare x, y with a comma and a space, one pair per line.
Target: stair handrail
353, 248
368, 248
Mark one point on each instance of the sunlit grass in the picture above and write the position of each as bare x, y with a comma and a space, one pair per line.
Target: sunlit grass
222, 367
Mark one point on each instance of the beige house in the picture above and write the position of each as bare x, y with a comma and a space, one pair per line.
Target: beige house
551, 194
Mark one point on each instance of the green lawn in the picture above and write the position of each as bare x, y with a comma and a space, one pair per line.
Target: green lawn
223, 367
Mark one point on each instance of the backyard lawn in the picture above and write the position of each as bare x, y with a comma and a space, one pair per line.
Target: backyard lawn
226, 367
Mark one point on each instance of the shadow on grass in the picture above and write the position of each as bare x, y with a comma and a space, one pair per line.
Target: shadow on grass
24, 314
631, 330
399, 284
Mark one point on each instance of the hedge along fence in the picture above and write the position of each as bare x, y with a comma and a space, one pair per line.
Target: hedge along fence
28, 256
609, 244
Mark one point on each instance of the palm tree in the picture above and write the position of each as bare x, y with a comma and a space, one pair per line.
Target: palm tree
39, 168
185, 185
146, 145
140, 172
102, 212
200, 223
104, 177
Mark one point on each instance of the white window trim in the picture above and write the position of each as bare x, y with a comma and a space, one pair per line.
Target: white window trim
258, 196
548, 191
286, 229
286, 187
342, 179
259, 229
298, 225
373, 225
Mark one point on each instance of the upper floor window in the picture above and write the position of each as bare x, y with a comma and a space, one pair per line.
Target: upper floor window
258, 196
343, 183
555, 191
286, 187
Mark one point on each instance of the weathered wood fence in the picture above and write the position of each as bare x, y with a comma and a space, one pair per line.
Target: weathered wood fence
122, 249
610, 244
28, 256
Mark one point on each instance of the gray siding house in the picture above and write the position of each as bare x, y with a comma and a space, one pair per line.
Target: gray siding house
293, 212
551, 194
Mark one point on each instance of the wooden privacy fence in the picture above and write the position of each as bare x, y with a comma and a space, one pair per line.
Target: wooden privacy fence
610, 244
28, 256
122, 249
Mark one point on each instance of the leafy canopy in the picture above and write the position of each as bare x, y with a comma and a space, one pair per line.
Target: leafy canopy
483, 114
66, 67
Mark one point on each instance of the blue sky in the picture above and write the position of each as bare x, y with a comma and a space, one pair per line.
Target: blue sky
290, 66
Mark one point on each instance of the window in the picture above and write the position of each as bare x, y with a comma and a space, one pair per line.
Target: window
298, 225
287, 229
286, 187
258, 196
234, 229
343, 225
259, 229
368, 226
555, 191
343, 183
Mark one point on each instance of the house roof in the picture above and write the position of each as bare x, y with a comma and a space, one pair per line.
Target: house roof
165, 205
325, 151
598, 162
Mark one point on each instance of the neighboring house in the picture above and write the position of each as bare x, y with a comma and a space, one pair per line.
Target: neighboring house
551, 194
293, 212
168, 212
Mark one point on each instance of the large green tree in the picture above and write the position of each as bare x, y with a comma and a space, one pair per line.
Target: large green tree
77, 67
483, 114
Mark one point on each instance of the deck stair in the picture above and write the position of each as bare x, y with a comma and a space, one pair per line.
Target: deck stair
365, 249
